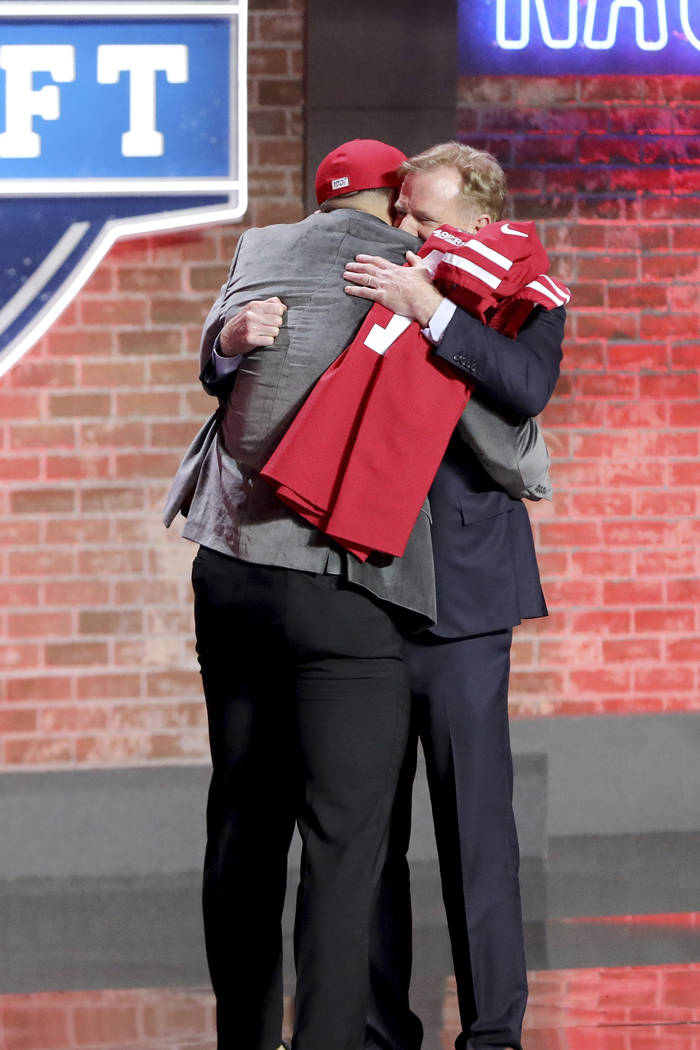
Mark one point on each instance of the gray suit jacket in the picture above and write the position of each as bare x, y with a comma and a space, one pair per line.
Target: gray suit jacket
228, 506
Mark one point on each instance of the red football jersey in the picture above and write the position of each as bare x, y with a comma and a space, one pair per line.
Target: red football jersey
362, 452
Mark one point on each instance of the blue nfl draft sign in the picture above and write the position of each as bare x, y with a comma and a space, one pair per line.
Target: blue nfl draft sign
116, 119
556, 37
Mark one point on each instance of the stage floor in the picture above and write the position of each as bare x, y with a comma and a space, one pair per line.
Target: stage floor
612, 935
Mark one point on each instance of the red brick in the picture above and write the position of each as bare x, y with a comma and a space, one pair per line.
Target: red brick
600, 680
148, 465
113, 749
684, 473
632, 592
42, 373
145, 343
662, 620
674, 326
20, 532
173, 683
79, 405
602, 621
16, 595
150, 403
631, 650
675, 209
603, 149
608, 268
39, 751
601, 505
114, 498
108, 562
667, 679
605, 386
76, 592
686, 238
612, 89
569, 652
650, 414
666, 563
575, 414
121, 312
46, 687
537, 683
16, 405
108, 375
638, 356
611, 325
100, 621
683, 297
42, 500
684, 414
18, 656
45, 562
684, 385
685, 650
72, 719
635, 533
574, 592
76, 654
149, 279
18, 720
75, 342
664, 503
43, 435
570, 534
39, 624
683, 591
108, 686
113, 434
65, 468
600, 563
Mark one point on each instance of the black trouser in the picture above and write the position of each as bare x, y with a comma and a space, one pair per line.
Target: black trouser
460, 712
308, 705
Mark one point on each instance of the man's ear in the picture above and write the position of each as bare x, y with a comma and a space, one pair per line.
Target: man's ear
482, 220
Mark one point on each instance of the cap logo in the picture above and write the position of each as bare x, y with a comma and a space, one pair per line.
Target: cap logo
340, 184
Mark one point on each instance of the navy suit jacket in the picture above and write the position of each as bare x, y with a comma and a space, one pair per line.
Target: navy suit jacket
486, 570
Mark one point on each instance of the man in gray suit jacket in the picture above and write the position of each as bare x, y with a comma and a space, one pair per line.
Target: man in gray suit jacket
237, 521
299, 645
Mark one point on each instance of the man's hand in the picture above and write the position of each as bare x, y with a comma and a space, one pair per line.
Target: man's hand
406, 290
257, 324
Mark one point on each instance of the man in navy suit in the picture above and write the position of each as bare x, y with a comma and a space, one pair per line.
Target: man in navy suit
487, 581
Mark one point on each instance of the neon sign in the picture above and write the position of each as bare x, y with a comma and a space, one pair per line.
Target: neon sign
562, 36
116, 119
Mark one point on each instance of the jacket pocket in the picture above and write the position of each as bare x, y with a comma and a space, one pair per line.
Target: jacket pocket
480, 506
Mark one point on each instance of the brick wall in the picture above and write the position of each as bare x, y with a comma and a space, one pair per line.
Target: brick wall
96, 646
96, 656
610, 169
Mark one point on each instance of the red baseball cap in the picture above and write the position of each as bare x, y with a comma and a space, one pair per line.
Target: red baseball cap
361, 164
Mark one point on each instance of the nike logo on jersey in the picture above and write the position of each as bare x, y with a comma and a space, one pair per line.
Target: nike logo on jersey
505, 228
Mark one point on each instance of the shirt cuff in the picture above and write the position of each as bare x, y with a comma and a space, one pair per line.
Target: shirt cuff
439, 322
223, 366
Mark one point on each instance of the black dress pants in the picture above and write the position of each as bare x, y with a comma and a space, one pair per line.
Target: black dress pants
460, 713
308, 705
